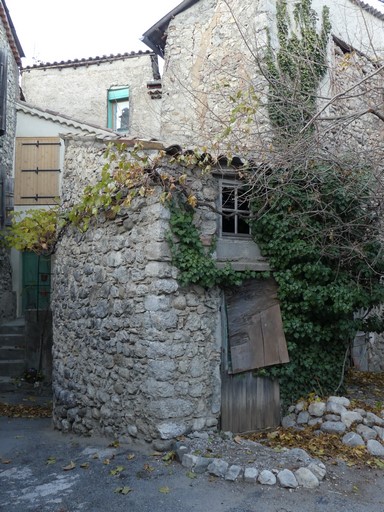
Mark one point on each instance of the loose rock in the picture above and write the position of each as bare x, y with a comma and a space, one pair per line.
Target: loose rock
306, 478
266, 477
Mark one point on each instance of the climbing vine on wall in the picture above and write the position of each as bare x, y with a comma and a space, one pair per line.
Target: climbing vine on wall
194, 261
294, 71
315, 219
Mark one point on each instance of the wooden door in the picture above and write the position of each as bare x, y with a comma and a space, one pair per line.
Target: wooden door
253, 338
36, 281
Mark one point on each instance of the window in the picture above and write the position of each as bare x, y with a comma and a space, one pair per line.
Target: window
37, 170
235, 210
118, 109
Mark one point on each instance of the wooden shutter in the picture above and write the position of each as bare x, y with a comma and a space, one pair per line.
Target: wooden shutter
37, 170
255, 329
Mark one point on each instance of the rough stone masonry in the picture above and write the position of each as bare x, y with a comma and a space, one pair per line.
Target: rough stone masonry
135, 355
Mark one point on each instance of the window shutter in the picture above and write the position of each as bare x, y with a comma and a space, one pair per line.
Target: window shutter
3, 91
37, 170
255, 328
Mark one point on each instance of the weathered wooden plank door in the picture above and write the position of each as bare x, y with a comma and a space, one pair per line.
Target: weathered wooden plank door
253, 338
249, 403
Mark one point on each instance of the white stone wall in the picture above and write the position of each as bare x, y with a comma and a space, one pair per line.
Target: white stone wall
214, 50
210, 55
80, 91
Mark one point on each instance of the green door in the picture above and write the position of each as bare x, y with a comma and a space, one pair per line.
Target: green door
36, 281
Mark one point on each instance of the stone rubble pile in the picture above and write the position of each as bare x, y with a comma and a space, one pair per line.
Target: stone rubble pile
295, 467
335, 416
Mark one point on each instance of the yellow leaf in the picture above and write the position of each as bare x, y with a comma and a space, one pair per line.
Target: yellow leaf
192, 201
148, 468
131, 456
169, 456
117, 470
114, 444
51, 460
85, 465
123, 490
164, 490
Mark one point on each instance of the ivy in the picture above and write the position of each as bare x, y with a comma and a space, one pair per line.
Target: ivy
296, 69
321, 241
193, 260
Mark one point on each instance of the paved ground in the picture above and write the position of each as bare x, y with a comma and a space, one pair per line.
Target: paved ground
33, 478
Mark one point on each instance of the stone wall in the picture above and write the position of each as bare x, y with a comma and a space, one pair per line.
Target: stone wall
7, 298
215, 50
79, 89
134, 354
211, 55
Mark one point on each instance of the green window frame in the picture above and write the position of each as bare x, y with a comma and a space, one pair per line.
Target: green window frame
118, 109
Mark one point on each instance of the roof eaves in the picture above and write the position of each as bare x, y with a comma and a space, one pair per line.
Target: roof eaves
75, 63
155, 37
10, 30
50, 115
369, 8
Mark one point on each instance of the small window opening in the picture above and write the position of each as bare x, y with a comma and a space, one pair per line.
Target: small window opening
118, 109
235, 210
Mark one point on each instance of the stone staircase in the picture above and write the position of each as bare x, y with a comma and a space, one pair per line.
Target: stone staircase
12, 353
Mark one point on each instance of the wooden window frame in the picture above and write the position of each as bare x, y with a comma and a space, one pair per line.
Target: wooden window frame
236, 213
116, 96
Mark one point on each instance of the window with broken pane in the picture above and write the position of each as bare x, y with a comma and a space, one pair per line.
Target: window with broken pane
235, 210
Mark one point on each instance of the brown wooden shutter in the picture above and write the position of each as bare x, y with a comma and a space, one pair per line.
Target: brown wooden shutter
37, 170
255, 328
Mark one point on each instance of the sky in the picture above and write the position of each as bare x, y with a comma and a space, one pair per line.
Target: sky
53, 30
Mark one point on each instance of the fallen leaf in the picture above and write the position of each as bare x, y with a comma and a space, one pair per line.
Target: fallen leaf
6, 461
114, 444
117, 470
84, 465
131, 456
165, 490
106, 462
156, 454
70, 466
51, 460
123, 490
378, 463
190, 474
238, 440
148, 468
169, 456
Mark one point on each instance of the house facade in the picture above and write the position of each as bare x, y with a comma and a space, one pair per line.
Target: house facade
10, 63
214, 52
137, 355
120, 92
38, 168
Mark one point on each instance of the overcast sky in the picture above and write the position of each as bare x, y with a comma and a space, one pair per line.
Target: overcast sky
53, 30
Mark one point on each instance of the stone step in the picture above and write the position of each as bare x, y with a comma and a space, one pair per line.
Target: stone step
12, 340
7, 384
12, 352
13, 327
12, 368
